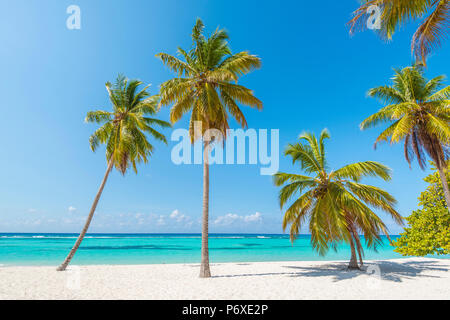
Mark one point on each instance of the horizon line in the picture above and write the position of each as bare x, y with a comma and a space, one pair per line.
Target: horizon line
163, 233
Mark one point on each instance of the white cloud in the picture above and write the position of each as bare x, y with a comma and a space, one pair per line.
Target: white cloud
227, 219
179, 217
231, 218
257, 217
174, 214
171, 221
32, 210
161, 221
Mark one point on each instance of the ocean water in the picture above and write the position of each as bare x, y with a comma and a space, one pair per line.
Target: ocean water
51, 249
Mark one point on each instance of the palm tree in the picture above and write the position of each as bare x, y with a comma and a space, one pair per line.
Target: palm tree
336, 204
124, 132
433, 29
418, 112
204, 87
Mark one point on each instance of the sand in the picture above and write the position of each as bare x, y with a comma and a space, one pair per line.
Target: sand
414, 278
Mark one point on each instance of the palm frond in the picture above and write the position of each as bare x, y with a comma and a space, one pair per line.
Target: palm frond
356, 171
394, 13
432, 31
125, 128
98, 116
305, 155
176, 65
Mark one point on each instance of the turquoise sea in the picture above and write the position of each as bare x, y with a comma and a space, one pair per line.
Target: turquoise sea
51, 249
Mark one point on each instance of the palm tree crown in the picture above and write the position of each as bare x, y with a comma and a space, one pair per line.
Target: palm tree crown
124, 129
432, 30
337, 205
418, 113
207, 89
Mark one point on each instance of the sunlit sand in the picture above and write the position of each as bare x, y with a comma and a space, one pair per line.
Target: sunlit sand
414, 278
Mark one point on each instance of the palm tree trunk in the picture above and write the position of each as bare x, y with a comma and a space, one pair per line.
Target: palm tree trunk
353, 264
205, 272
445, 186
358, 245
66, 262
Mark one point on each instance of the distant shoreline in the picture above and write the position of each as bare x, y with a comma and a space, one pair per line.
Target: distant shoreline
152, 233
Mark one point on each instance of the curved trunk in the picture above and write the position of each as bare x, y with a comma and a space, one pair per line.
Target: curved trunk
72, 252
358, 245
353, 264
204, 267
445, 186
435, 150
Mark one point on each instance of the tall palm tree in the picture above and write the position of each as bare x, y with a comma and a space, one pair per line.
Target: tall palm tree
337, 205
418, 112
206, 86
124, 132
433, 28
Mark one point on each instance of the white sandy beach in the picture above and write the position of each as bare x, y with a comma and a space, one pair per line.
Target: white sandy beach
415, 278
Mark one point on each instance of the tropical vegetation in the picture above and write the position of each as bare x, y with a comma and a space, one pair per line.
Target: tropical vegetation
434, 17
428, 230
417, 112
334, 203
124, 131
206, 87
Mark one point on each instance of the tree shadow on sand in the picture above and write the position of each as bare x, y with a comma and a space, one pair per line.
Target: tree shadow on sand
385, 270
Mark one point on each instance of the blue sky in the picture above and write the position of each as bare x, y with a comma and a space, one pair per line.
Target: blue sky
314, 75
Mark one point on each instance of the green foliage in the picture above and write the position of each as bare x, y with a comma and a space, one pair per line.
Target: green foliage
428, 230
434, 17
417, 112
124, 129
206, 82
337, 205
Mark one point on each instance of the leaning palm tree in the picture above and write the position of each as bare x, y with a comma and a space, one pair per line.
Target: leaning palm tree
124, 132
418, 112
337, 205
433, 28
206, 87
